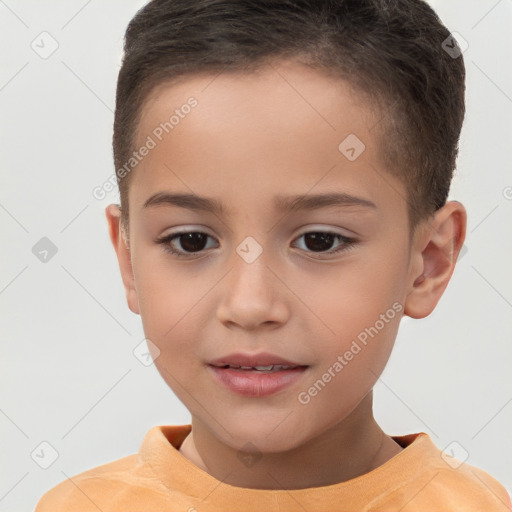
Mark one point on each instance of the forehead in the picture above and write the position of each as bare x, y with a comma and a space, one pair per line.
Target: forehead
276, 129
281, 94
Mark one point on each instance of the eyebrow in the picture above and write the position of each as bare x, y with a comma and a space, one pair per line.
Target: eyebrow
291, 203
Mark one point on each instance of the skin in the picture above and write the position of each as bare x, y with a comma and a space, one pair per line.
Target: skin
249, 139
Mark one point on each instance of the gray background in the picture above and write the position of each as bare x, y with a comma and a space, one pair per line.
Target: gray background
69, 375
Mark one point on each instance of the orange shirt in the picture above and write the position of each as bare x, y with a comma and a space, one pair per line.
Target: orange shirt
160, 479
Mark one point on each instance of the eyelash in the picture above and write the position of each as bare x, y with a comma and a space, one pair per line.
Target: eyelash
347, 243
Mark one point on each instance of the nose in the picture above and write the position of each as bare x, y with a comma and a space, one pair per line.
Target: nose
252, 295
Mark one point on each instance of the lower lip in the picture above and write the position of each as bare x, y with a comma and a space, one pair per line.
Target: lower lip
254, 383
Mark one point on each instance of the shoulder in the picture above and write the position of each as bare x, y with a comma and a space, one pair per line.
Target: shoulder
96, 488
433, 480
438, 489
471, 486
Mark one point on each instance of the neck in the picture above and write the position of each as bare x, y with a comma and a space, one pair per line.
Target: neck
344, 451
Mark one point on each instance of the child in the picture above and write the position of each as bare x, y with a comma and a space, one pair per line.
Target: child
284, 167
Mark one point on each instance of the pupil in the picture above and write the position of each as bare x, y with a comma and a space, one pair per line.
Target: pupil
318, 241
192, 242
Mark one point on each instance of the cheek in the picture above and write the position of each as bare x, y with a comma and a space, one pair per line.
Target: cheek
352, 295
350, 363
357, 309
169, 294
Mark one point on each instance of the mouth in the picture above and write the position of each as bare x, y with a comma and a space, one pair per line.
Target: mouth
256, 375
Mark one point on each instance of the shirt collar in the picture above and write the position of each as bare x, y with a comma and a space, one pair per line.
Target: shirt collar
160, 450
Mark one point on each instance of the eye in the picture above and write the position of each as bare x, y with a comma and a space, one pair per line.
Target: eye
188, 243
321, 241
191, 242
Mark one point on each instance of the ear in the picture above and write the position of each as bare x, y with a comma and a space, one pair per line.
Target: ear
435, 248
122, 248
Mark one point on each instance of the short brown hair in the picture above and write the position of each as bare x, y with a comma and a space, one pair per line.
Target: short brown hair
393, 51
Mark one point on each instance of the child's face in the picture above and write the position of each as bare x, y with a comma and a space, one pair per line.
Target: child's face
249, 141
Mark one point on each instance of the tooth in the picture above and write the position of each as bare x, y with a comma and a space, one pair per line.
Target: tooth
271, 367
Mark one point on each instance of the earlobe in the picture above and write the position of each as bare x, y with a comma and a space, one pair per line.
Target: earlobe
122, 249
434, 253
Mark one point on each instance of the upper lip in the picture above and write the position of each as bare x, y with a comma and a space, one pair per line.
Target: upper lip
261, 359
